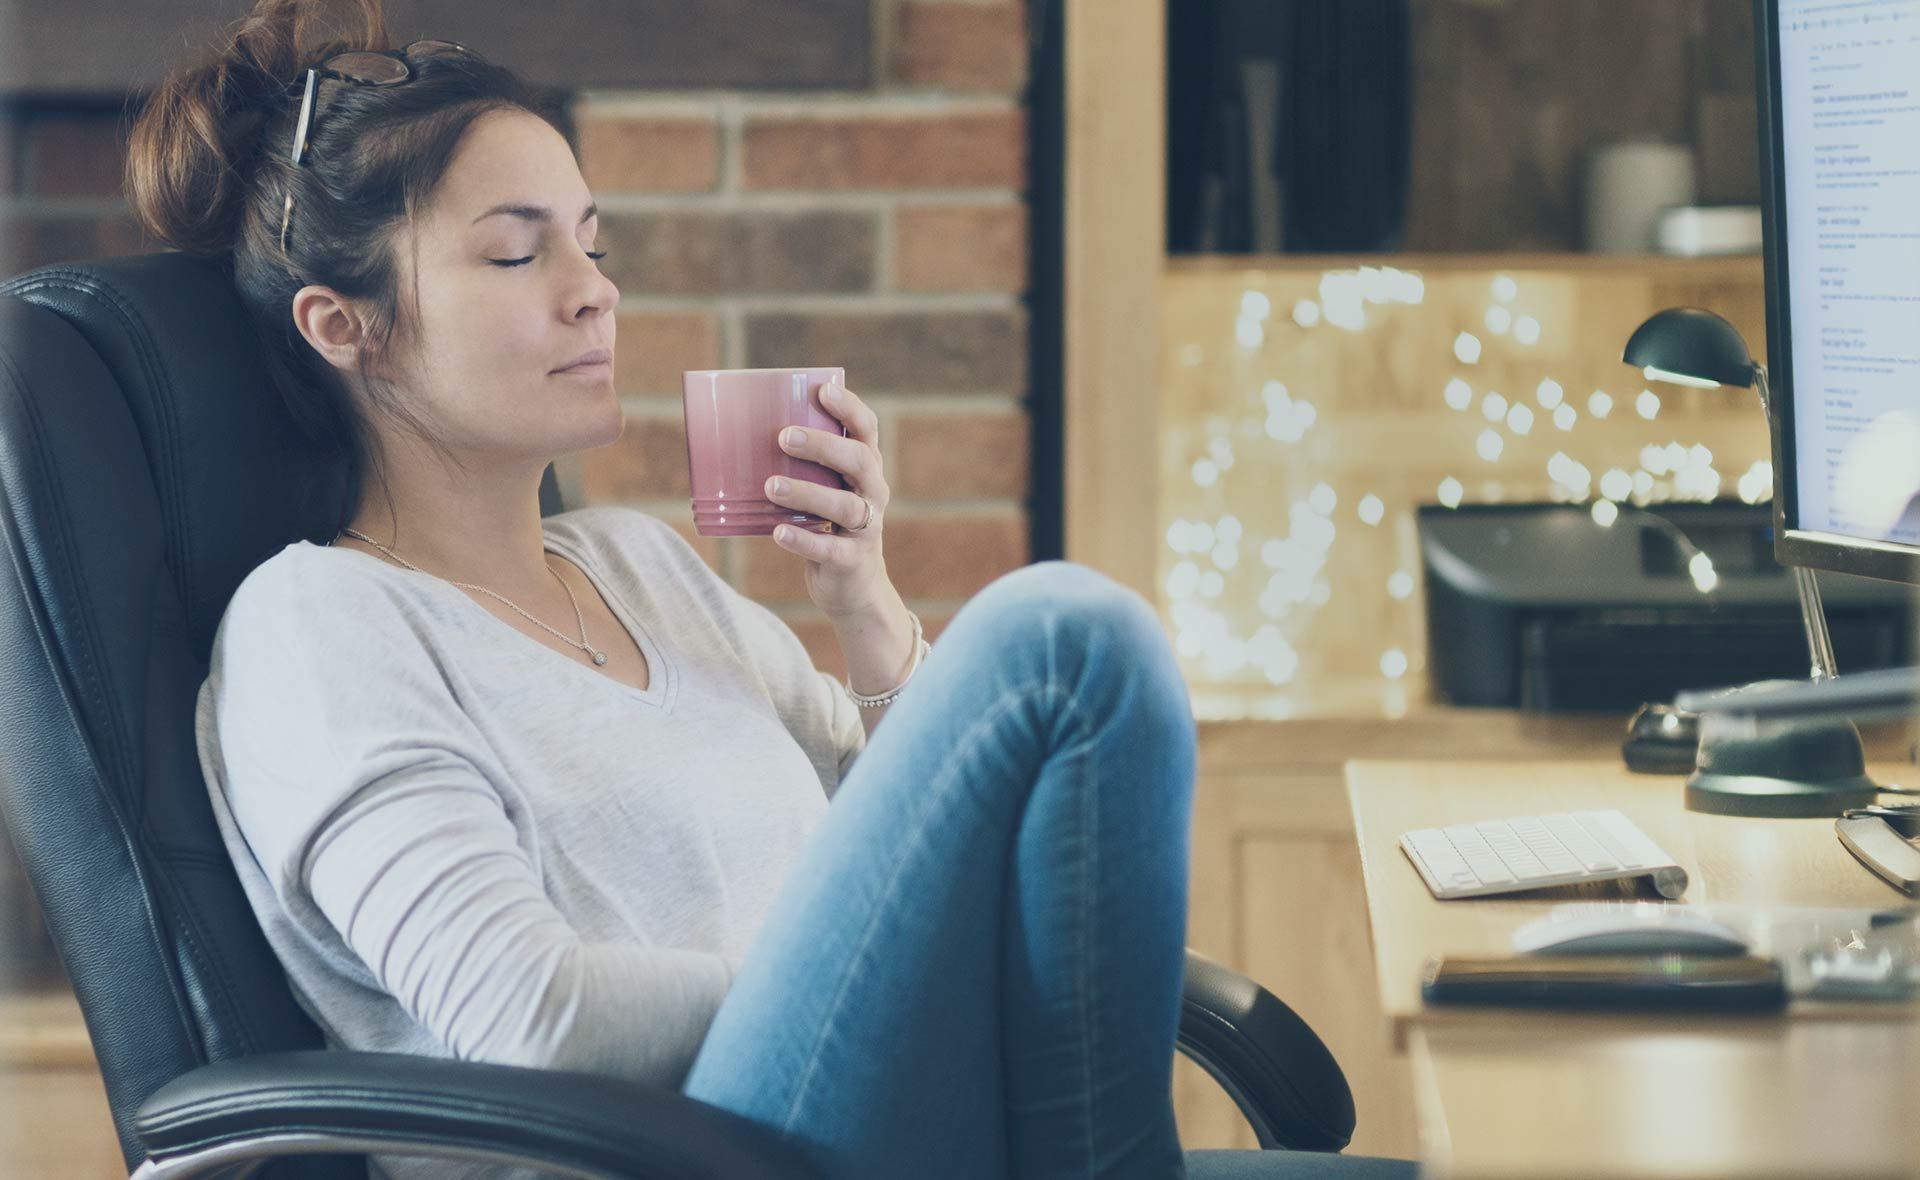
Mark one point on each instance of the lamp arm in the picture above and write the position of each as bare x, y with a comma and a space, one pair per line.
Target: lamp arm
1813, 614
1813, 617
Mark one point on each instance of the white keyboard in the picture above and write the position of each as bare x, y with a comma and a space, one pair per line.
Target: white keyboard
1538, 851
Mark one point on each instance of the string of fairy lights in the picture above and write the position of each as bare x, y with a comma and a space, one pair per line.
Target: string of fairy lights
1286, 561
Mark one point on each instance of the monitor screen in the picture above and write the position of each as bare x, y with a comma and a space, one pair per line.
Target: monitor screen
1842, 103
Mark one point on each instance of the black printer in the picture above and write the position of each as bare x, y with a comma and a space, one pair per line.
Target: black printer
1541, 607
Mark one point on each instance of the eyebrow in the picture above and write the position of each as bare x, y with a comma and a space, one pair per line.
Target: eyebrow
535, 213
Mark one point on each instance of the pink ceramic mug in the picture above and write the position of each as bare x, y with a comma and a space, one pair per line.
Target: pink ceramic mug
734, 418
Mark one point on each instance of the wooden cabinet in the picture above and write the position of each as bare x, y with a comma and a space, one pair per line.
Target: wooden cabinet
54, 1123
1276, 893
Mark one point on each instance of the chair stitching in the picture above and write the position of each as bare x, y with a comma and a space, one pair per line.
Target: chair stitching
155, 374
107, 796
140, 334
1255, 1061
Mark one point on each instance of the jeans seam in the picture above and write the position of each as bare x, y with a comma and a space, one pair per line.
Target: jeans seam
1011, 698
1089, 915
1087, 980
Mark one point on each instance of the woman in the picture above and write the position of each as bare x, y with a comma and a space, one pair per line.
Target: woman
550, 792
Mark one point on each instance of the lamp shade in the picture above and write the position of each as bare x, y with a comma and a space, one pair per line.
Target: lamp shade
1691, 346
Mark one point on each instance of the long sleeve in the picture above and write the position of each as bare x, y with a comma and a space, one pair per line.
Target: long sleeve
811, 704
421, 874
373, 809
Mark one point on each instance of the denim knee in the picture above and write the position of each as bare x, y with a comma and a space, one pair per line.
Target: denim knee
1064, 590
1036, 603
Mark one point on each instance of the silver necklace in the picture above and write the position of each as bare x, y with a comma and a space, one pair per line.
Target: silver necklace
599, 657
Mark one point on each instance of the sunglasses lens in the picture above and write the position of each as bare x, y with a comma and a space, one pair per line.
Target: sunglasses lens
376, 68
427, 48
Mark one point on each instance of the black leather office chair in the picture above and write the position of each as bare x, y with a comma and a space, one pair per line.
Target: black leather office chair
146, 466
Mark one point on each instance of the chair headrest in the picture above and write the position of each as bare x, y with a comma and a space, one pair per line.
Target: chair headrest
232, 477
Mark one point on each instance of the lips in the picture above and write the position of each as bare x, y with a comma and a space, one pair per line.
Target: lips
599, 356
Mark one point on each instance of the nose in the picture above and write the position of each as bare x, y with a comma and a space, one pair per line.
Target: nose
594, 293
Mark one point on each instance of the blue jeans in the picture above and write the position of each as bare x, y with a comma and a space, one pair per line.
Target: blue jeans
975, 969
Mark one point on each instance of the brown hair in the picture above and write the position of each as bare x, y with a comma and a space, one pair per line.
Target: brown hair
209, 165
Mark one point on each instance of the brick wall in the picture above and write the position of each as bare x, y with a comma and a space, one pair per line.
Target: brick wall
881, 227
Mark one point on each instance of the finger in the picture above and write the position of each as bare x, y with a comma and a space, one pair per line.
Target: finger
843, 508
851, 457
825, 548
861, 421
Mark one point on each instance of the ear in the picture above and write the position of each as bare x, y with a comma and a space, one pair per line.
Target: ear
331, 324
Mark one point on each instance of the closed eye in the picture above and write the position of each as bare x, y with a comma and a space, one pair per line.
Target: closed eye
596, 255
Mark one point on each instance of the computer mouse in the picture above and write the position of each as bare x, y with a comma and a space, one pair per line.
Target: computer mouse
1661, 740
1630, 928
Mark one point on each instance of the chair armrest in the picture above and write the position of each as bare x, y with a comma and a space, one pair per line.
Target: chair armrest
317, 1102
329, 1102
1265, 1057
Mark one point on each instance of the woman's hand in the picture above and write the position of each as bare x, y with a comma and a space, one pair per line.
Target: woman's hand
846, 575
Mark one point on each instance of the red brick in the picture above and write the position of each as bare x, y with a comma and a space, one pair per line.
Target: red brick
900, 352
767, 573
75, 155
700, 252
641, 153
954, 455
709, 548
960, 248
653, 349
976, 47
116, 236
29, 241
927, 557
931, 150
822, 642
649, 461
953, 556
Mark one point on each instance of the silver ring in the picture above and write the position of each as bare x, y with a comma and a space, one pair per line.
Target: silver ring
861, 527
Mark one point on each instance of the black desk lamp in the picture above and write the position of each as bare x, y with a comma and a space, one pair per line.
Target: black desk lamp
1746, 765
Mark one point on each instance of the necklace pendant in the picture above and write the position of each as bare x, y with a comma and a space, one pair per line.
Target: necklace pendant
599, 657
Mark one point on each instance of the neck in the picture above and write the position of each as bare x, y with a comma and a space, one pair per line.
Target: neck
481, 527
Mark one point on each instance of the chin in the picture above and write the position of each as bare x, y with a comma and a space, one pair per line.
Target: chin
613, 424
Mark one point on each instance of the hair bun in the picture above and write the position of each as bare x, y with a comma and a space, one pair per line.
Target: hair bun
193, 152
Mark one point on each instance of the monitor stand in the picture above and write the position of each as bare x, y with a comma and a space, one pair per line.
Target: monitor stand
1788, 767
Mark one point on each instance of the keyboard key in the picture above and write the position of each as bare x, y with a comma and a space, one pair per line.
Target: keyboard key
1544, 845
1513, 851
1585, 848
1479, 856
1446, 866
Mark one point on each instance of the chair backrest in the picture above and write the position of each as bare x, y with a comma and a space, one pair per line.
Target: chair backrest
146, 467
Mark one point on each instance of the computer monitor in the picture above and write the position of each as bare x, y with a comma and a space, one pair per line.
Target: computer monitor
1840, 128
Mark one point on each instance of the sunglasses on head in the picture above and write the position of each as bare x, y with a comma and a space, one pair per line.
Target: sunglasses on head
364, 67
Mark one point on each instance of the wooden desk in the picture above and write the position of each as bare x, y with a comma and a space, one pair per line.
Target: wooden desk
1544, 1095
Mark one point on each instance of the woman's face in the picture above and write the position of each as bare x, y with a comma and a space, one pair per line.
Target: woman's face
482, 364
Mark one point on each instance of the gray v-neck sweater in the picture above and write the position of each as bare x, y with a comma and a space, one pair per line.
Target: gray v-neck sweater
461, 843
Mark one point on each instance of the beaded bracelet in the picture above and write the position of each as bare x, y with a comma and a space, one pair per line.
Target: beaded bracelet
921, 649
